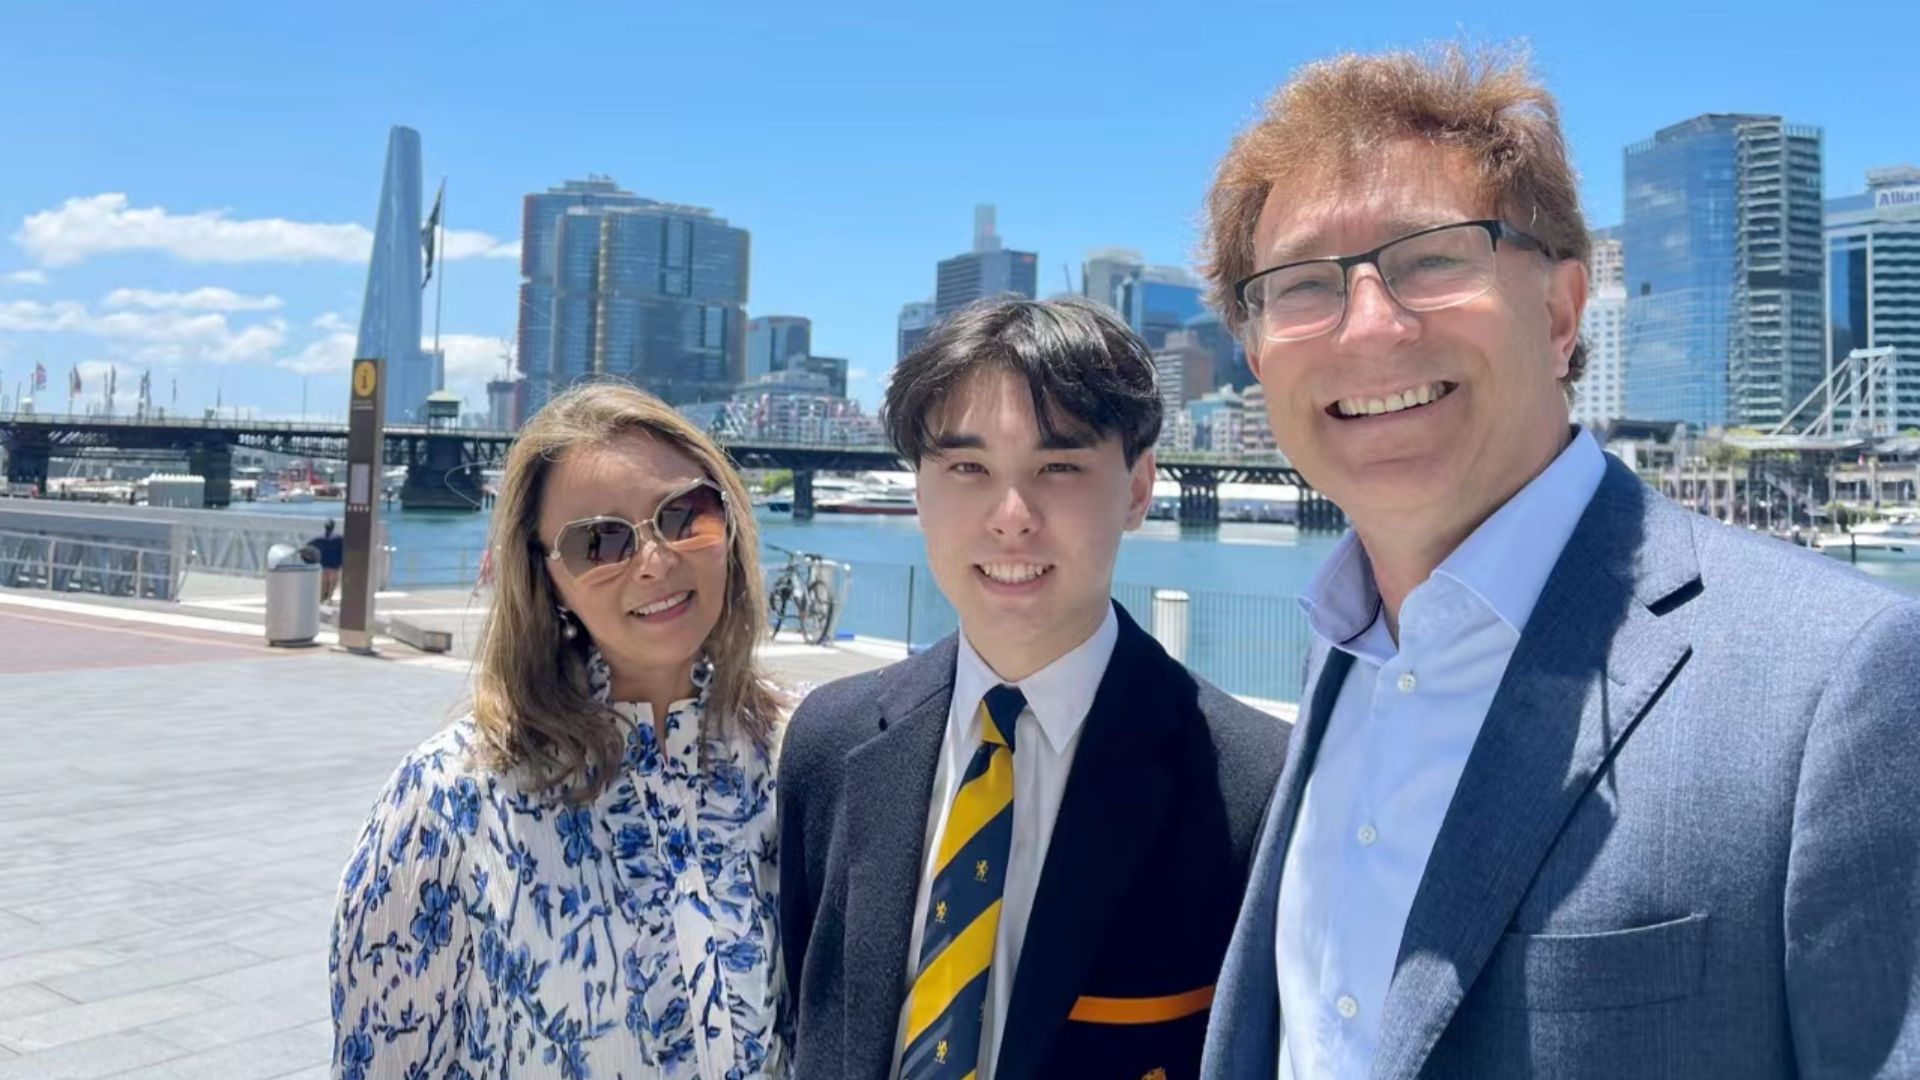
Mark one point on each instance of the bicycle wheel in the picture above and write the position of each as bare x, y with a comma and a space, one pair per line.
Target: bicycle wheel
777, 604
816, 613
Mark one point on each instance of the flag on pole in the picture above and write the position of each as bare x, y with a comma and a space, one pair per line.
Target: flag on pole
73, 382
176, 392
428, 231
39, 376
113, 379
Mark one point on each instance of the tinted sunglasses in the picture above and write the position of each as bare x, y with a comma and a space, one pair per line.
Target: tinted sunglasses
689, 519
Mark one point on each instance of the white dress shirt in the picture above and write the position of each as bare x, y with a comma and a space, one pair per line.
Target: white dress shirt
1044, 740
1394, 749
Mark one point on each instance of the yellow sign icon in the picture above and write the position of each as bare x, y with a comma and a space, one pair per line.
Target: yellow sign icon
364, 379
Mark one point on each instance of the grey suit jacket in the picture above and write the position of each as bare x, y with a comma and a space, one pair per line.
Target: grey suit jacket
1685, 843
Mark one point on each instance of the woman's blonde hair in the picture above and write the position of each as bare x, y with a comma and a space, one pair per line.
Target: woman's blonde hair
531, 703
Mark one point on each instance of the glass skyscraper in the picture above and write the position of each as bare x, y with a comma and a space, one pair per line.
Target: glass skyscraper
1873, 287
978, 275
1722, 264
772, 339
1158, 300
614, 284
917, 320
988, 270
546, 327
672, 314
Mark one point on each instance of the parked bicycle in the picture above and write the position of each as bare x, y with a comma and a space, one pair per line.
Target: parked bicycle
799, 595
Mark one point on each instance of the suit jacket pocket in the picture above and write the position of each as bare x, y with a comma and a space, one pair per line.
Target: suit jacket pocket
1609, 970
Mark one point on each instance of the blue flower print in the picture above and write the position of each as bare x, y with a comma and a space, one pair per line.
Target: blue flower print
485, 929
433, 921
576, 829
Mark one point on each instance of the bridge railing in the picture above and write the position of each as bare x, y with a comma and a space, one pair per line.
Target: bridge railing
203, 424
1189, 458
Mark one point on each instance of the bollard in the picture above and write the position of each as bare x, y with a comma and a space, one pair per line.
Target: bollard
1170, 622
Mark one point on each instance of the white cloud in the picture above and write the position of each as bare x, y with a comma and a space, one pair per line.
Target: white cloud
472, 359
156, 337
105, 224
33, 316
27, 277
858, 374
205, 299
332, 322
330, 355
467, 244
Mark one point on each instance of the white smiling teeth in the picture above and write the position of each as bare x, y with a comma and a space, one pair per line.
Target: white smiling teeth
1013, 573
659, 606
1424, 394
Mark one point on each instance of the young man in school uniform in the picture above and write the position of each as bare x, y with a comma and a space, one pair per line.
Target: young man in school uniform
1019, 853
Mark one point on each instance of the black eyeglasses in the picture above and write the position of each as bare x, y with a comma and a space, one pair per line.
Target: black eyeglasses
1435, 268
691, 518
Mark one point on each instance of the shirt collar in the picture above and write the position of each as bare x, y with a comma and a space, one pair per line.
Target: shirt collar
1505, 562
1059, 694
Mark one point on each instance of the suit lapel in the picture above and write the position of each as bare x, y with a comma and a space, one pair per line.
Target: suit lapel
1116, 794
1302, 749
888, 782
1244, 1035
1592, 660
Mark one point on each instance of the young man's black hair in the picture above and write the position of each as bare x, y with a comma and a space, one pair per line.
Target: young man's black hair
1088, 372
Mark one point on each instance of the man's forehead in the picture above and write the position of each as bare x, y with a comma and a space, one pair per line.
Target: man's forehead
1340, 209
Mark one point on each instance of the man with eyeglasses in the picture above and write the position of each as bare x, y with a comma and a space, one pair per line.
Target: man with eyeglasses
1585, 784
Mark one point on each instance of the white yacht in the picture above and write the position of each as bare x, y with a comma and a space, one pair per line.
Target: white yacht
1881, 541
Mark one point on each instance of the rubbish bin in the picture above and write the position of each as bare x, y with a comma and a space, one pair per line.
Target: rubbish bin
293, 595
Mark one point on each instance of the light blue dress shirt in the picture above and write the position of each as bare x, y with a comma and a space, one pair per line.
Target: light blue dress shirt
1398, 740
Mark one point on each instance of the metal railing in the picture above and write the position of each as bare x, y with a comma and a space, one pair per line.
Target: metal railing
1247, 644
59, 564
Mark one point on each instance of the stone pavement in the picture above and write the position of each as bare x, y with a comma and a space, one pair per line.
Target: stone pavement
177, 800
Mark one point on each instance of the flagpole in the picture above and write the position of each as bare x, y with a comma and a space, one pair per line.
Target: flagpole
440, 289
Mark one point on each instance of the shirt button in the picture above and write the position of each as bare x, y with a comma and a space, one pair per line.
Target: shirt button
1368, 834
1348, 1007
1407, 682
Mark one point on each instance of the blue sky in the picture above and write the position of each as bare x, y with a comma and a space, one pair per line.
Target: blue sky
180, 185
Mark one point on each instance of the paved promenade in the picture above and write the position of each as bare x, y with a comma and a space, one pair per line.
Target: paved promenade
176, 803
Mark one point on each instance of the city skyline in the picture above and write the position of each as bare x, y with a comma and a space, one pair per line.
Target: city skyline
204, 212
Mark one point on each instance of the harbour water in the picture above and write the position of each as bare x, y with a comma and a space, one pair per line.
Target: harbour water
1238, 582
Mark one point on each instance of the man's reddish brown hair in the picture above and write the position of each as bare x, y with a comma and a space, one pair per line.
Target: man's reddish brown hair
1333, 115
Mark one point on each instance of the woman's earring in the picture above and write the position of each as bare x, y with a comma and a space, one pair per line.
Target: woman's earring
703, 672
568, 628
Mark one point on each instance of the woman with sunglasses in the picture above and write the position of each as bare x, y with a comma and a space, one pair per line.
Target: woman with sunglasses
578, 878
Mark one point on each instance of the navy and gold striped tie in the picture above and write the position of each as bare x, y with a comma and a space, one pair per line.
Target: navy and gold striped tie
963, 910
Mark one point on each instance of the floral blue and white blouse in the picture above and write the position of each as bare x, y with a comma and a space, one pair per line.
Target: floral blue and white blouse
486, 931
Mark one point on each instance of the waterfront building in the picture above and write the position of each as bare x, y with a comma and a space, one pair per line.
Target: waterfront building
917, 320
1723, 267
1600, 395
988, 270
1873, 289
643, 290
390, 310
772, 339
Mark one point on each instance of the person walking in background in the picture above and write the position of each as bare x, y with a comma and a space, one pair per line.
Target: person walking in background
333, 553
578, 878
1587, 784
